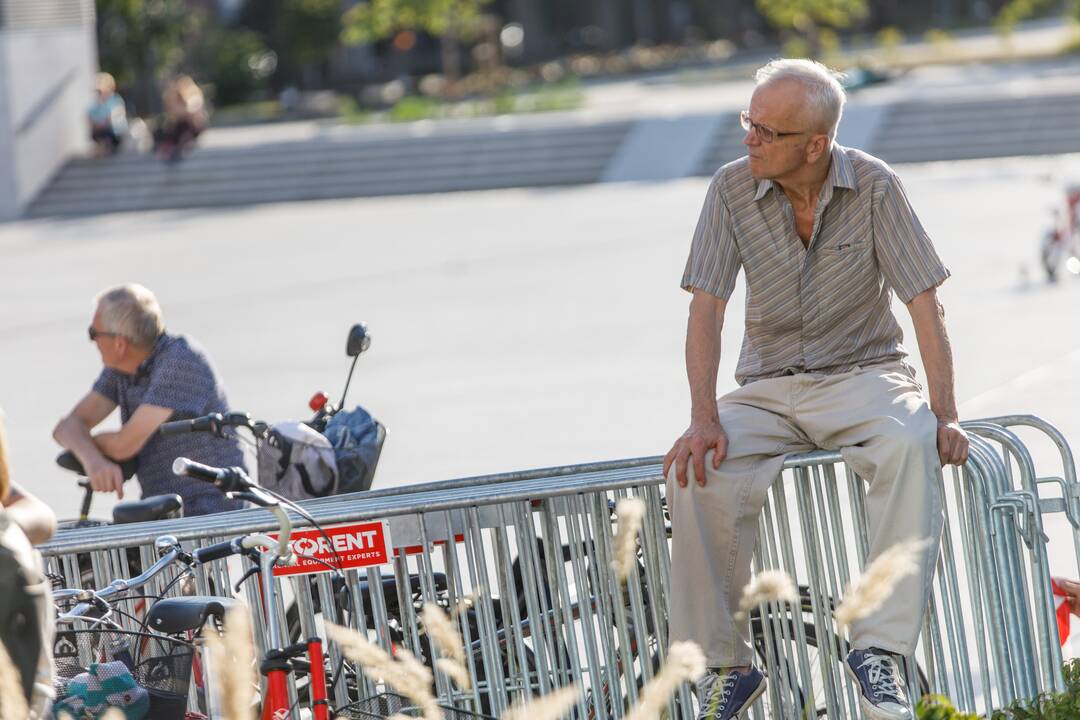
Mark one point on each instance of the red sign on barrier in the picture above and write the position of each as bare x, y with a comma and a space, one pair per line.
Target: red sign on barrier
345, 547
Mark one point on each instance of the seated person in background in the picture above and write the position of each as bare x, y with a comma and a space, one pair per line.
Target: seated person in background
34, 517
107, 116
150, 374
184, 117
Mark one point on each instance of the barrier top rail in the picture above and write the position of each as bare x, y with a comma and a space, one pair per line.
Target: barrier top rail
405, 500
441, 495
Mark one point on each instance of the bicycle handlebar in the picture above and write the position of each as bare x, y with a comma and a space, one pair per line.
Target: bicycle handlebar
232, 479
218, 551
206, 423
235, 481
214, 423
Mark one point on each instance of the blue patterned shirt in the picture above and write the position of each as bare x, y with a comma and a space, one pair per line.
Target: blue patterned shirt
178, 375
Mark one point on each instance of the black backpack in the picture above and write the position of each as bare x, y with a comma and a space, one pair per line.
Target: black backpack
24, 601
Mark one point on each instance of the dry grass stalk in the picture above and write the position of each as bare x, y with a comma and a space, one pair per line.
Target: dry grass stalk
234, 665
466, 602
630, 512
767, 586
685, 662
446, 637
12, 701
866, 594
406, 674
552, 706
456, 672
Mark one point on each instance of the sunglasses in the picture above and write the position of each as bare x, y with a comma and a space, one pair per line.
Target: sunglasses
94, 333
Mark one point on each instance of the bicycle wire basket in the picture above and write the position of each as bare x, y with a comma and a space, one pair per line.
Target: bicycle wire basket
158, 664
387, 704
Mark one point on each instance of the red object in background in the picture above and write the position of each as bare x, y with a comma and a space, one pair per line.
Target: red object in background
405, 41
1061, 599
318, 401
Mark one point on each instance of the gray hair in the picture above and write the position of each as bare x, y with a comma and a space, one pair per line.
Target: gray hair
131, 310
824, 94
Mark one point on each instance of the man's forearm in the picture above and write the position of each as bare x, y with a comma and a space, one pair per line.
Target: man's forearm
702, 362
72, 434
936, 353
113, 445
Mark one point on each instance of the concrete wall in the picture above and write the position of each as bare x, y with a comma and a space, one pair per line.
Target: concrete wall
46, 80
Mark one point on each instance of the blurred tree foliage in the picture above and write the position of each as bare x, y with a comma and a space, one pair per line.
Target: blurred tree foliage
809, 25
235, 63
140, 41
301, 33
450, 20
1016, 10
306, 32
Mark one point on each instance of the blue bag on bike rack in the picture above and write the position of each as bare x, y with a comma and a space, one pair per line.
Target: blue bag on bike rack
357, 439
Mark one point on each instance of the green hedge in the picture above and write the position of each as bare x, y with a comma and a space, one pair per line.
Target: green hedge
1048, 706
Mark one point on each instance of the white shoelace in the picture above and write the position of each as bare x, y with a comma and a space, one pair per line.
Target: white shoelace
730, 680
882, 676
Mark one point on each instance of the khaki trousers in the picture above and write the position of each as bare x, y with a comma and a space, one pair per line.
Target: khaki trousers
879, 420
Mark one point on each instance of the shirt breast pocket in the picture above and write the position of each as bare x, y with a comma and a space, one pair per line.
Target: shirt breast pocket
846, 274
847, 248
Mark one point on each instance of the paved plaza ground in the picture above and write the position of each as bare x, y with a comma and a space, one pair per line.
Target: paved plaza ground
512, 329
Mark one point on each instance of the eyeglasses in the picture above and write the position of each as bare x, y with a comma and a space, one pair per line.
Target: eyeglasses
765, 133
94, 333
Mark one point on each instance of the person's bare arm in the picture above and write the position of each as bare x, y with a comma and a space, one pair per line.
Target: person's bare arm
702, 363
73, 433
126, 442
36, 519
928, 316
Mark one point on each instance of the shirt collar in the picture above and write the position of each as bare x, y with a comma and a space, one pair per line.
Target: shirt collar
841, 174
145, 365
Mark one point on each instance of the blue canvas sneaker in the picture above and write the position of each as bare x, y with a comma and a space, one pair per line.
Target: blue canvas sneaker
723, 697
877, 678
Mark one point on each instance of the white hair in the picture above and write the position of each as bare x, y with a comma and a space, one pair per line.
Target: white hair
131, 310
824, 95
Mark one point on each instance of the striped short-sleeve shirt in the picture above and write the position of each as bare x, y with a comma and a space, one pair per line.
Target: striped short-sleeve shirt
826, 308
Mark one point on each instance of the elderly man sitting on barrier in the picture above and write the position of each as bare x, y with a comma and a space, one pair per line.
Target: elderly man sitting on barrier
826, 236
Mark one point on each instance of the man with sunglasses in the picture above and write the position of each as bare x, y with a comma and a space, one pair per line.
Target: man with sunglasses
153, 376
825, 236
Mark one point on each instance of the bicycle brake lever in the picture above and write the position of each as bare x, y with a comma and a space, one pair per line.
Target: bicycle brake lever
250, 571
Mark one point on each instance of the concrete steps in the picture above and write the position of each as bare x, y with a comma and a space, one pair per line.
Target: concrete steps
342, 162
337, 167
921, 131
726, 146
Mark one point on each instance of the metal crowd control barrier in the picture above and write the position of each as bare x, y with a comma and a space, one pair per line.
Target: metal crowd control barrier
537, 546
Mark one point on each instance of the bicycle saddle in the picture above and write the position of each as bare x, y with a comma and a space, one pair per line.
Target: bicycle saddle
180, 614
157, 507
68, 461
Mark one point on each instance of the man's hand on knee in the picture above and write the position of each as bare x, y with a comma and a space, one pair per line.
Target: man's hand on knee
952, 442
698, 439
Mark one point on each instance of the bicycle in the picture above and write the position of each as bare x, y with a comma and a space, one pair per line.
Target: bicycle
279, 661
177, 620
93, 628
